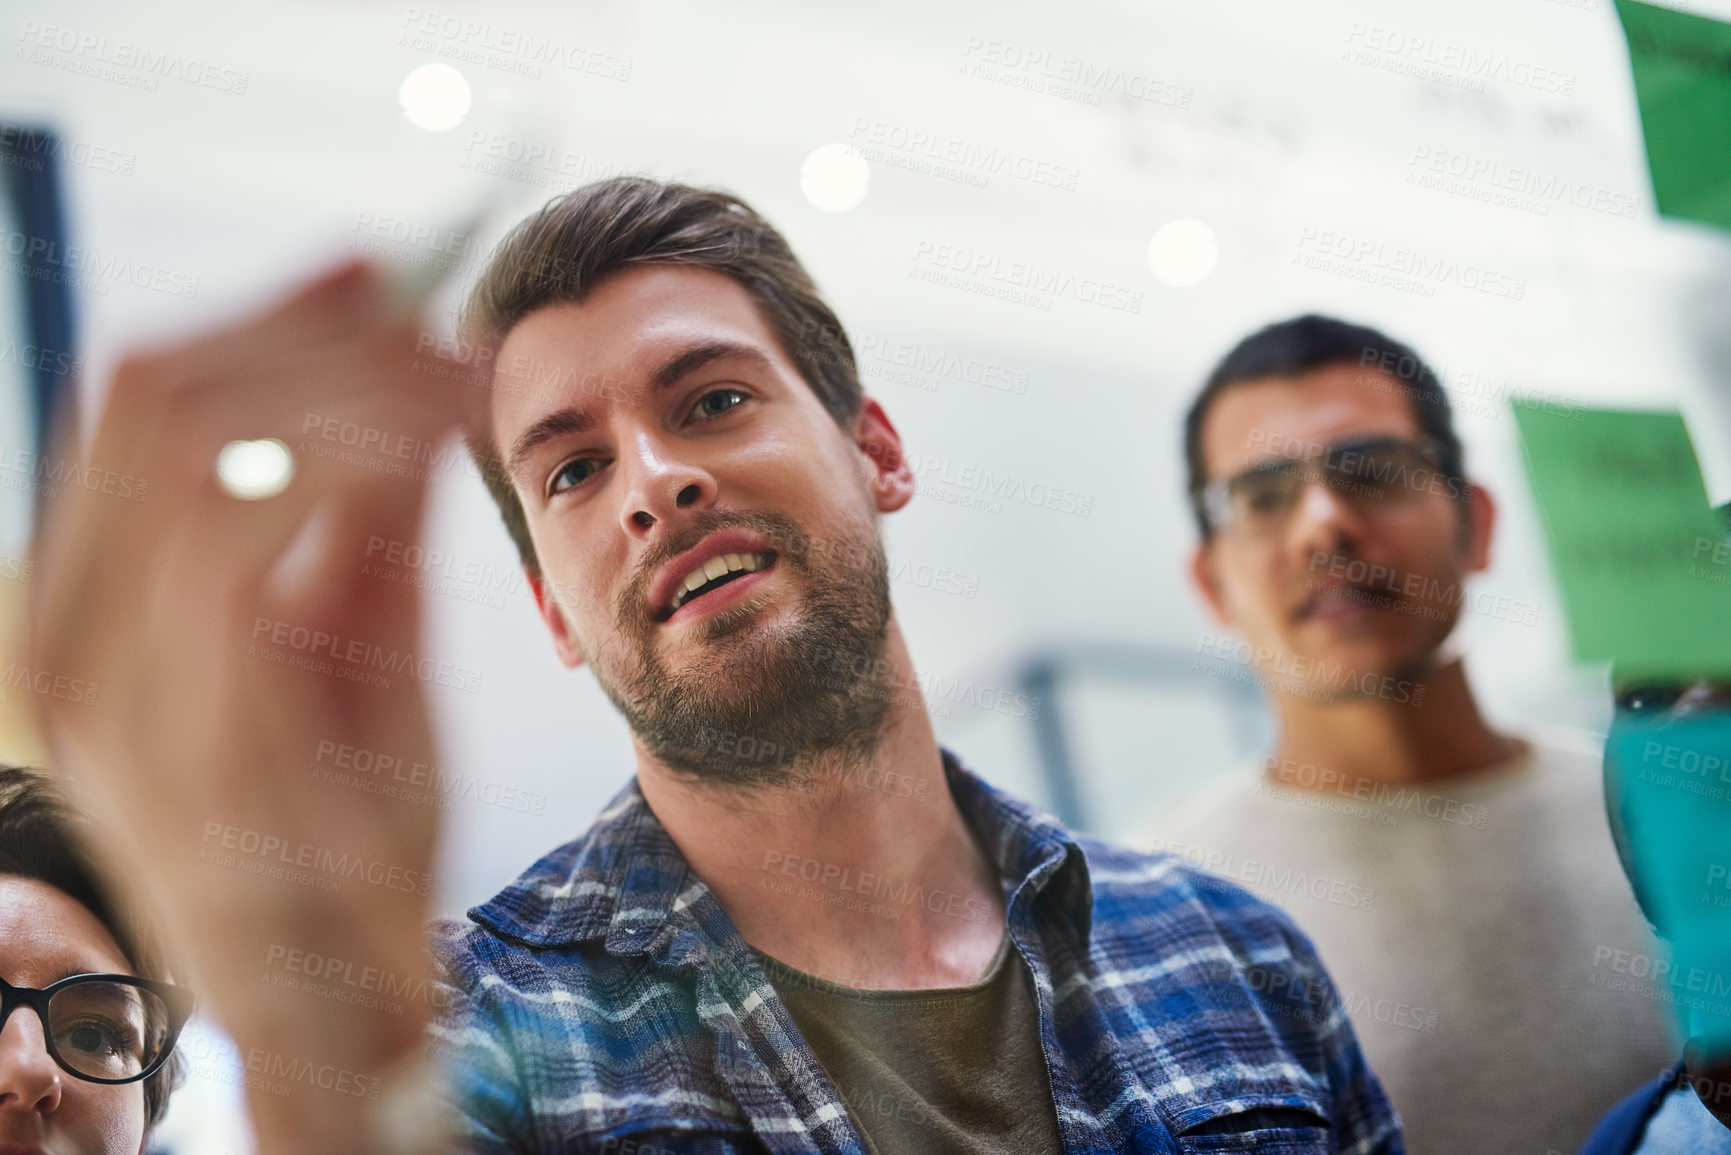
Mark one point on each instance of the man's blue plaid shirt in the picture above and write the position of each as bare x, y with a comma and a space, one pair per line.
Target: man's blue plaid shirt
605, 1003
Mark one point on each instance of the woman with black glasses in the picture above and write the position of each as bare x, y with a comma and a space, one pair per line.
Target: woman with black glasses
87, 1030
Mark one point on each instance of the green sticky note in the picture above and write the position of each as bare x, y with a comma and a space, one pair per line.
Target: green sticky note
1683, 84
1637, 549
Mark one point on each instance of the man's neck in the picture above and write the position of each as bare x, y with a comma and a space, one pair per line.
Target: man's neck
1428, 730
864, 872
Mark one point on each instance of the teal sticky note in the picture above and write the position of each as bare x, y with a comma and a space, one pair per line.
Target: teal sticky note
1632, 538
1682, 67
1668, 782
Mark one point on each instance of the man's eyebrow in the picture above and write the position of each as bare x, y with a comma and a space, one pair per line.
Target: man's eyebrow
691, 360
558, 423
573, 419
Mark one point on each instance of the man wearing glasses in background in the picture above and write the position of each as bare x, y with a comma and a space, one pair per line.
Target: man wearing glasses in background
1459, 882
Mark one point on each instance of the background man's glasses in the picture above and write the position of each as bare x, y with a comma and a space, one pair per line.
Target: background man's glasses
1370, 472
104, 1028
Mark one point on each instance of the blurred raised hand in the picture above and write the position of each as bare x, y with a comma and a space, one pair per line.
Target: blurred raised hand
232, 643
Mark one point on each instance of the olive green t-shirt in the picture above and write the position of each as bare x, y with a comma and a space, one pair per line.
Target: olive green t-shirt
948, 1071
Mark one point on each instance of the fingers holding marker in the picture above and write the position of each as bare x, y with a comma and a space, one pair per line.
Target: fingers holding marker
208, 432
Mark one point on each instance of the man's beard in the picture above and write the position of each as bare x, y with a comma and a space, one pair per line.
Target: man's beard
767, 704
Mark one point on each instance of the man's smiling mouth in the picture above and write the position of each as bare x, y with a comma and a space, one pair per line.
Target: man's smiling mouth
717, 572
1344, 599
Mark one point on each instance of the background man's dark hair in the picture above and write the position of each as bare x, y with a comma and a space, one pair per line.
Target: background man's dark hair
1295, 347
579, 239
42, 838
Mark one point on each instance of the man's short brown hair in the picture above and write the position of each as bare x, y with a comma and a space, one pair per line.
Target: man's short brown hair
1292, 348
582, 237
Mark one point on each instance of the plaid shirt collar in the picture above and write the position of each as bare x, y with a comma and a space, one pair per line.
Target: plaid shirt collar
626, 881
1181, 1003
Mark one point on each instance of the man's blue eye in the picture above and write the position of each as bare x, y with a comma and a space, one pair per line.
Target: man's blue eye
719, 402
573, 474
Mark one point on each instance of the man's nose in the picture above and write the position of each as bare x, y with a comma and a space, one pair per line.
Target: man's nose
1324, 518
662, 482
29, 1079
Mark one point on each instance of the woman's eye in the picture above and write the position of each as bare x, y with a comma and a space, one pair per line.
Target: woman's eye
574, 473
92, 1038
715, 403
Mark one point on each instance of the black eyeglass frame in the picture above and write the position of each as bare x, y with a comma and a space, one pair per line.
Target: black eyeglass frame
178, 1000
1212, 498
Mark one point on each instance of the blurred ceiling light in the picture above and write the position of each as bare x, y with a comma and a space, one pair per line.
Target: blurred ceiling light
251, 470
435, 97
835, 177
1183, 253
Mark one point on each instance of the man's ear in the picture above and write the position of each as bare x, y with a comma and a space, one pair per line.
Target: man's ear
564, 638
891, 478
1205, 574
1480, 518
